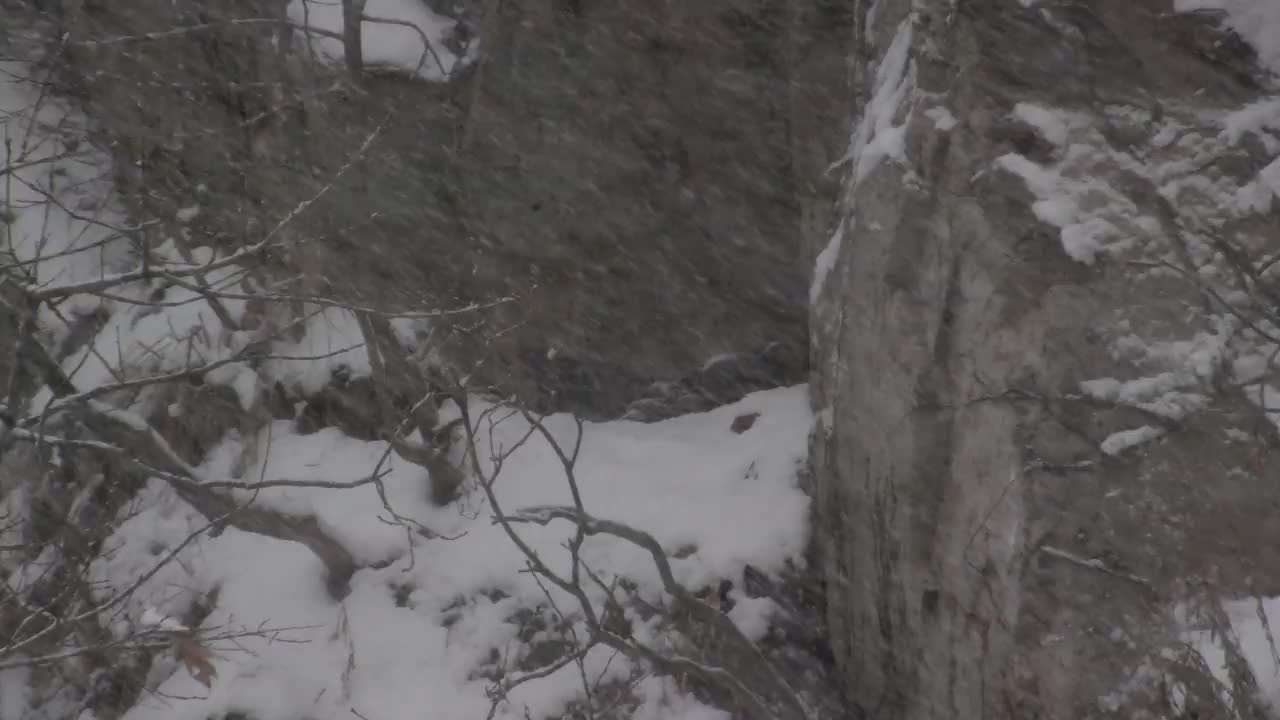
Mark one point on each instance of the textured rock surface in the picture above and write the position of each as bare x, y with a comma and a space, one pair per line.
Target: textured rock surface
643, 176
990, 551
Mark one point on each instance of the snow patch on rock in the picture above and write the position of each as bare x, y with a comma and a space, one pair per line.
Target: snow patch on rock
1257, 21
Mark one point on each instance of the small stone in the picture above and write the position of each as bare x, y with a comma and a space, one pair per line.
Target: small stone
743, 423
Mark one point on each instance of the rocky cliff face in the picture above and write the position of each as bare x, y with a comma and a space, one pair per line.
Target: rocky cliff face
1043, 350
642, 179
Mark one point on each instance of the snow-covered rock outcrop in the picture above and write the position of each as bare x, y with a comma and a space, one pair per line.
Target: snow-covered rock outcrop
1045, 342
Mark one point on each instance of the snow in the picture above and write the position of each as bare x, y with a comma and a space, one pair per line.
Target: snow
1159, 394
751, 615
426, 620
565, 685
689, 481
1256, 641
72, 240
1081, 191
664, 701
1254, 118
152, 617
1181, 372
706, 365
410, 331
274, 585
942, 118
14, 692
1255, 198
825, 262
47, 235
239, 377
330, 341
140, 340
356, 517
1049, 124
878, 137
1256, 21
398, 45
1269, 177
1266, 397
1119, 442
1197, 358
1086, 232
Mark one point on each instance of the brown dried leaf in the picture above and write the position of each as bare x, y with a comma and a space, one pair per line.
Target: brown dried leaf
196, 658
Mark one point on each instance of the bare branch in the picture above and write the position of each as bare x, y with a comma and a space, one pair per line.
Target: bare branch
236, 258
427, 47
197, 28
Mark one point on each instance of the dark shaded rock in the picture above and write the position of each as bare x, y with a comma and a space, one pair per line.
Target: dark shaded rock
365, 407
720, 381
743, 423
592, 388
642, 177
194, 418
350, 405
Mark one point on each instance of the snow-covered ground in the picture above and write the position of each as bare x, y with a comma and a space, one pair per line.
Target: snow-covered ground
399, 33
434, 613
81, 220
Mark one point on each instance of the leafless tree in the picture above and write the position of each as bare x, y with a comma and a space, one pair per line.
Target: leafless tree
81, 454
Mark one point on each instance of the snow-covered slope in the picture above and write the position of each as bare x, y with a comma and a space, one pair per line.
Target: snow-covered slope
428, 620
442, 610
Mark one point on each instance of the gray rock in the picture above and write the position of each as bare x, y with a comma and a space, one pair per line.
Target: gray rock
985, 555
643, 177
